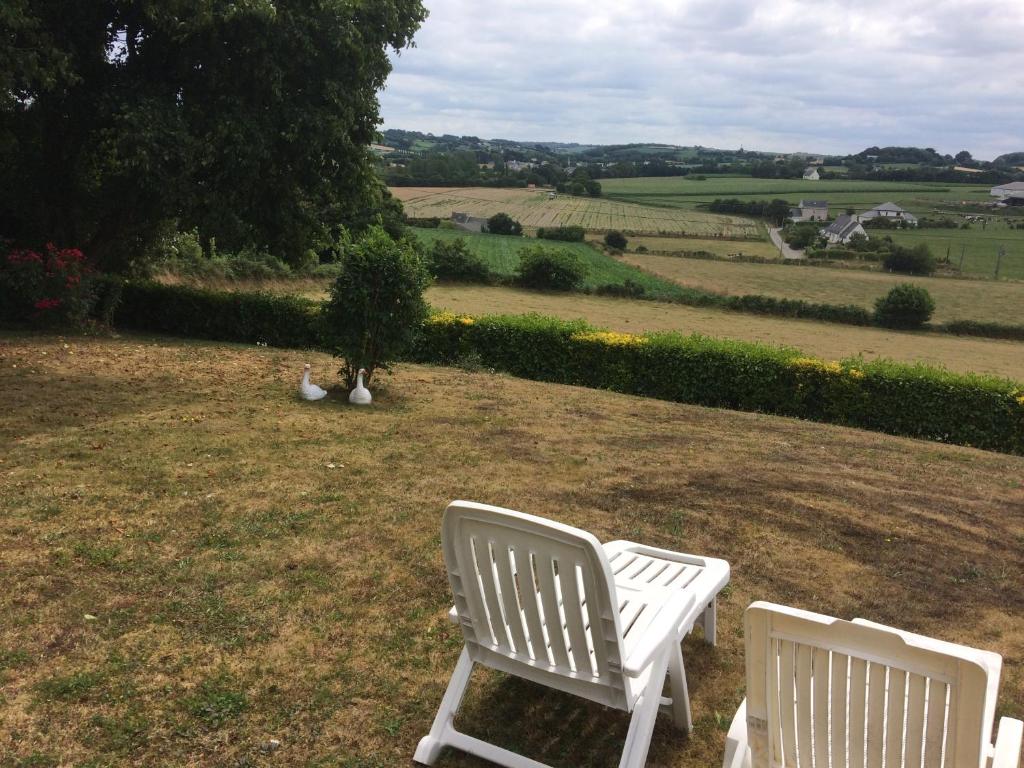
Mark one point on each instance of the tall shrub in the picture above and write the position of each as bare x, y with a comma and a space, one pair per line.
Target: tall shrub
550, 269
615, 239
503, 224
376, 304
54, 287
905, 306
911, 261
453, 260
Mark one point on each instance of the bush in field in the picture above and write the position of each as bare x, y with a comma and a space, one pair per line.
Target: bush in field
54, 287
616, 239
911, 261
565, 234
453, 260
376, 303
550, 269
905, 306
503, 224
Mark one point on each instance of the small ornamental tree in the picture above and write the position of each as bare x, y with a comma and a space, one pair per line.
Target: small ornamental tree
550, 269
616, 239
503, 224
905, 306
376, 303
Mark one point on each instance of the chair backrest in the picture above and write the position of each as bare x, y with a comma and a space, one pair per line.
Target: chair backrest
535, 598
827, 693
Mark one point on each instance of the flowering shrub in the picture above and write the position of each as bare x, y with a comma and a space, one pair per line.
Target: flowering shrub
47, 288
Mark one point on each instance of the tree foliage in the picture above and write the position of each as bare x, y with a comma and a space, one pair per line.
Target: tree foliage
906, 306
376, 303
911, 261
503, 224
552, 269
249, 120
616, 239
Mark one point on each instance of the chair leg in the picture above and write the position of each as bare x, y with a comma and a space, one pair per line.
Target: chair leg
680, 693
430, 746
641, 726
711, 622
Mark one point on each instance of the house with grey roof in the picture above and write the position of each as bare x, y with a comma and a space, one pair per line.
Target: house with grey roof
889, 211
811, 173
842, 230
810, 210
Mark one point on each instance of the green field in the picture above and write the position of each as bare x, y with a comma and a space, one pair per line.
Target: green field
686, 192
978, 247
501, 253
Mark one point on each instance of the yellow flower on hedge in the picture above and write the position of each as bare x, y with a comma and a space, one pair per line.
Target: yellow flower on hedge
611, 338
449, 318
856, 373
1020, 399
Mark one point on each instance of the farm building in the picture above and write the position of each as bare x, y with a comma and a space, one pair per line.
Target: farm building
1015, 200
888, 211
811, 174
1005, 190
468, 223
810, 210
843, 229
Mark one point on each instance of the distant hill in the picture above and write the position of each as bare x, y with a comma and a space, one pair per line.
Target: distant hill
1011, 159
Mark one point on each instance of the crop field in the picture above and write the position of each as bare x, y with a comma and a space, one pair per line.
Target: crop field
683, 192
983, 300
501, 253
532, 208
978, 247
196, 562
830, 341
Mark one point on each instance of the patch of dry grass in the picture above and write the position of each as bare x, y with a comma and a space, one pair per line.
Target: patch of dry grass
194, 561
984, 300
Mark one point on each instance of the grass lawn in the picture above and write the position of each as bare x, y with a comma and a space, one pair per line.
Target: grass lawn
830, 341
195, 562
685, 192
501, 253
979, 247
986, 300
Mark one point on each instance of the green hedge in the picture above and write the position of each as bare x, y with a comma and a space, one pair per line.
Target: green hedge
988, 330
916, 401
280, 321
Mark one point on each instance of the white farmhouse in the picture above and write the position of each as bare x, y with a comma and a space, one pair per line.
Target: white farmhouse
842, 230
889, 211
811, 173
1008, 190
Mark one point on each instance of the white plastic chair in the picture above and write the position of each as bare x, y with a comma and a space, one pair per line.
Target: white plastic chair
548, 603
827, 693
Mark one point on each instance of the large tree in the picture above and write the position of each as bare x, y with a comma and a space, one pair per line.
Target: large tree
249, 119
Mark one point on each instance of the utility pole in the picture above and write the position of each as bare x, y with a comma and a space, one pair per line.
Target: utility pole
999, 259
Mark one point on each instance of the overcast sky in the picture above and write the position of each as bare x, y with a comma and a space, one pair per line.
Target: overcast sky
776, 75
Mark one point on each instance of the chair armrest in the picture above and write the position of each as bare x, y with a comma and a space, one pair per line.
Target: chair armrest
736, 740
666, 627
1008, 741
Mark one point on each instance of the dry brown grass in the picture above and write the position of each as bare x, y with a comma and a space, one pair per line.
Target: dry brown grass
985, 300
830, 341
244, 589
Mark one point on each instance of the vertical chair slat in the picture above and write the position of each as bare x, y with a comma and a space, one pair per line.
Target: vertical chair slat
915, 720
552, 616
599, 630
820, 676
857, 728
935, 730
837, 709
572, 605
485, 567
787, 702
803, 704
876, 714
509, 598
528, 598
774, 734
894, 717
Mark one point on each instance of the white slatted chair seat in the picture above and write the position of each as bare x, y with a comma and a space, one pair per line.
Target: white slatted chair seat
540, 600
827, 693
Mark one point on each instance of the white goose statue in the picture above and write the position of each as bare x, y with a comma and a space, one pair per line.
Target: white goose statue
310, 391
360, 395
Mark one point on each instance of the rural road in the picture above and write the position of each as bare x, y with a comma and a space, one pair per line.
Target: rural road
778, 242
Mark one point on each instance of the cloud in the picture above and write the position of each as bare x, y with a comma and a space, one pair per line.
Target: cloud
783, 75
